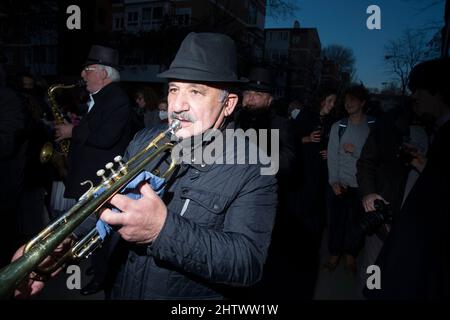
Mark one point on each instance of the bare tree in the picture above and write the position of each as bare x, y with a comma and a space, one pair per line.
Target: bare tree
440, 25
281, 9
403, 54
342, 56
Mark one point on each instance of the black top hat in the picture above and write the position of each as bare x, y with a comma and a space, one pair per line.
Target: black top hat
260, 79
104, 56
209, 57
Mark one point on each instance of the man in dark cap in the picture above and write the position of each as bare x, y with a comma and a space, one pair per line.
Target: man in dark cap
103, 133
212, 228
257, 113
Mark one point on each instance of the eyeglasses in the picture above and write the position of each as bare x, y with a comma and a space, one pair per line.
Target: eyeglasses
88, 69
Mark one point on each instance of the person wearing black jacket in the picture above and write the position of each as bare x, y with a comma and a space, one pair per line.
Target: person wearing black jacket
13, 148
415, 258
383, 173
102, 134
257, 112
313, 127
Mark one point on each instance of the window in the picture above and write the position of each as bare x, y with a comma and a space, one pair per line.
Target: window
39, 55
132, 18
118, 22
158, 13
275, 56
146, 14
183, 16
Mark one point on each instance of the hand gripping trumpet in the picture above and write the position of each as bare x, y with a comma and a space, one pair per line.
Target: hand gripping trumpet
54, 234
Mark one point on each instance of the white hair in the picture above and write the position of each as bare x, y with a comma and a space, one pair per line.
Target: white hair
223, 95
113, 74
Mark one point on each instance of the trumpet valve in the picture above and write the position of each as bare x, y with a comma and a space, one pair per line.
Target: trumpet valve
122, 167
114, 175
101, 173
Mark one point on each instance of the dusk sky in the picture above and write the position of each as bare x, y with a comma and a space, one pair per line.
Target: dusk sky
344, 22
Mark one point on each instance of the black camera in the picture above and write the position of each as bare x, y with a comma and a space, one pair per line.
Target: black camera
371, 221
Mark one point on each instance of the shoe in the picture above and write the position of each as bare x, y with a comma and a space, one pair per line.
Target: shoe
91, 288
350, 264
332, 263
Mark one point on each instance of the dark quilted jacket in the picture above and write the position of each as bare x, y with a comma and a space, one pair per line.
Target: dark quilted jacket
219, 239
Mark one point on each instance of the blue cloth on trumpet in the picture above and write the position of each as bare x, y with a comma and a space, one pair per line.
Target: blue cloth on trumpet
131, 190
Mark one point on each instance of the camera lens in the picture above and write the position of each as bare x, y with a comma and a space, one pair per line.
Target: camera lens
371, 221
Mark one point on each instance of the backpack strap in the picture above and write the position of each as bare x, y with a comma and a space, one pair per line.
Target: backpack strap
370, 121
343, 123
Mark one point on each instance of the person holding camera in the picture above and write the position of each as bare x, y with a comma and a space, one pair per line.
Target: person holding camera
386, 174
415, 257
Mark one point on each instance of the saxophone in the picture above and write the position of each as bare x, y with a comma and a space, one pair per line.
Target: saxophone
56, 152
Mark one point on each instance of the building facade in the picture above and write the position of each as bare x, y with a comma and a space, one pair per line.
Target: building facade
295, 54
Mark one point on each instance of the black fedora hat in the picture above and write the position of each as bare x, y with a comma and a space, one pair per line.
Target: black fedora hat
103, 55
209, 57
260, 79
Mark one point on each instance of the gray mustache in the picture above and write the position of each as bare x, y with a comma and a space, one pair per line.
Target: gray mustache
185, 116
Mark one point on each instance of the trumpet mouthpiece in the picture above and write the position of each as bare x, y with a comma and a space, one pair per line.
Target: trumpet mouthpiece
174, 126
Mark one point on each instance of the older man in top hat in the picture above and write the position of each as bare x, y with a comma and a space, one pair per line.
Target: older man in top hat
212, 228
103, 133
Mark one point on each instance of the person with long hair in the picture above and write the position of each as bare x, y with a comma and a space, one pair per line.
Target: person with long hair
313, 127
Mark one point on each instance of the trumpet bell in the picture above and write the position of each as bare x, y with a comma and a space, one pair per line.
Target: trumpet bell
46, 152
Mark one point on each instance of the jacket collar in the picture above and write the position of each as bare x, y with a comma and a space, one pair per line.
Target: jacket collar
205, 141
104, 91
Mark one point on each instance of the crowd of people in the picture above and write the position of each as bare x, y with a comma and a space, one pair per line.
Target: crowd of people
377, 186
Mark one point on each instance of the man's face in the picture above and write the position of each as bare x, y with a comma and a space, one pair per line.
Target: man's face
199, 107
353, 105
424, 103
256, 99
95, 77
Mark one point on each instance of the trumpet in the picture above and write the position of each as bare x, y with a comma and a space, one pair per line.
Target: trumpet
54, 234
